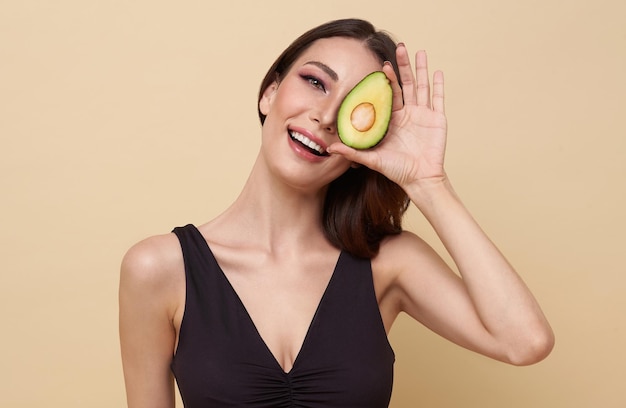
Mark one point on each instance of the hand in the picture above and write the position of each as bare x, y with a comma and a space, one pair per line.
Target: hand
413, 149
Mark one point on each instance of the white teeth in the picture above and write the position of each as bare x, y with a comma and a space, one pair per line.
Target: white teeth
306, 141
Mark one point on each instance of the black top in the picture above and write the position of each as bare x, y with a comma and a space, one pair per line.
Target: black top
222, 361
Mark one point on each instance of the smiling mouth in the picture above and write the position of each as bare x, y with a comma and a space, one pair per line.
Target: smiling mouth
308, 143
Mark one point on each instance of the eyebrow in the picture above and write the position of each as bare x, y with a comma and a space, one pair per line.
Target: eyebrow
324, 68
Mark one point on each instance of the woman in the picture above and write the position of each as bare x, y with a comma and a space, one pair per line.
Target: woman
286, 298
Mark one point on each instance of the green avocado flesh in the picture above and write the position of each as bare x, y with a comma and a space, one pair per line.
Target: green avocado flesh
365, 112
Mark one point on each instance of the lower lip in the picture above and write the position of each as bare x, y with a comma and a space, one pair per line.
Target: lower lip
302, 152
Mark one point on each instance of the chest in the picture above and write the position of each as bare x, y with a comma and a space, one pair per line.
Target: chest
338, 353
280, 298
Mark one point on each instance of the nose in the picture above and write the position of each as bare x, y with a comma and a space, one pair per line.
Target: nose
325, 115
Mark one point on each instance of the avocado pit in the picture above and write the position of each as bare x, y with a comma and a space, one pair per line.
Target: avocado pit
363, 117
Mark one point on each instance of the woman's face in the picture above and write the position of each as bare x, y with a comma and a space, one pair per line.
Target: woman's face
302, 110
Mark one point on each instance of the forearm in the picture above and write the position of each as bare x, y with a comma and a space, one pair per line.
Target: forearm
503, 302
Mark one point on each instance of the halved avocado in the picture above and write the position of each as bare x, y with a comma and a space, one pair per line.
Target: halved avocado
364, 114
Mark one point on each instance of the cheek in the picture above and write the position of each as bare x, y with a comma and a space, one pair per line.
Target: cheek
291, 97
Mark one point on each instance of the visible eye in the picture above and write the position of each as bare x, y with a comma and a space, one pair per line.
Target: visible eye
315, 82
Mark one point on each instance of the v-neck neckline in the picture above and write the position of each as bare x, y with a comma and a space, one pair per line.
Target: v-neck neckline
260, 338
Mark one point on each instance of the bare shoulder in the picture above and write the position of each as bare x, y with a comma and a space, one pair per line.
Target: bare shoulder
155, 263
151, 298
403, 251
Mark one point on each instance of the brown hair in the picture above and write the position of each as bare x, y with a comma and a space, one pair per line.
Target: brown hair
361, 206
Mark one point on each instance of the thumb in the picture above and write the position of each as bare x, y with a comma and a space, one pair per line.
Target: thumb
363, 157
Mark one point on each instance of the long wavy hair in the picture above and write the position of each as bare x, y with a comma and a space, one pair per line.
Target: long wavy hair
361, 206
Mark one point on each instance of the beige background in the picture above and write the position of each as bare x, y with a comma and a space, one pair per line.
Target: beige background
120, 120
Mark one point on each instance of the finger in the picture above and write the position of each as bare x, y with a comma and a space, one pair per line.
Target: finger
406, 75
397, 102
423, 85
438, 92
364, 157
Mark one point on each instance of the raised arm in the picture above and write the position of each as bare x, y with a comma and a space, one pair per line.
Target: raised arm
488, 308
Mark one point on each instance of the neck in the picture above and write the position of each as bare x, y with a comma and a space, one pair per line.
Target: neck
272, 214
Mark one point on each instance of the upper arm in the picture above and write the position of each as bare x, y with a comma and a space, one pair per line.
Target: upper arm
149, 284
427, 289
